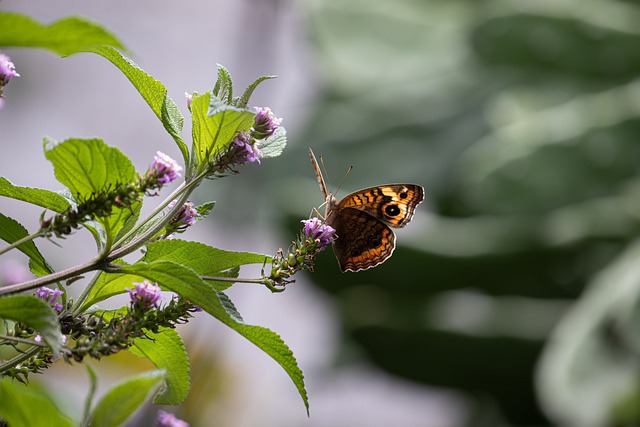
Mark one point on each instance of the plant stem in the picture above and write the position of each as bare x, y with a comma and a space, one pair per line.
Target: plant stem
232, 279
22, 341
19, 359
52, 278
143, 238
83, 296
162, 205
19, 242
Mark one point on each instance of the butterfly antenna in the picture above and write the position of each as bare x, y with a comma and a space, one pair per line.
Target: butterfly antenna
344, 178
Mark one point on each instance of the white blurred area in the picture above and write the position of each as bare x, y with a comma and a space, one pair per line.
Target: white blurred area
179, 43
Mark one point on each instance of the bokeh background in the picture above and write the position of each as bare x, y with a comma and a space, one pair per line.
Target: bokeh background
512, 299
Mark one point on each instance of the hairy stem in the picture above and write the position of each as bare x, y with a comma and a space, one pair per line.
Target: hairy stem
19, 242
19, 359
58, 276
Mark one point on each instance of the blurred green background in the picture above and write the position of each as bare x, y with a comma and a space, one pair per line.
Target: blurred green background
516, 284
513, 298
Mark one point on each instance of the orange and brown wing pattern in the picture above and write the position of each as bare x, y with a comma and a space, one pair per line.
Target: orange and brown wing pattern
363, 242
394, 204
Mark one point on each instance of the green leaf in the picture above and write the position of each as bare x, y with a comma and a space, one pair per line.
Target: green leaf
153, 92
65, 37
108, 285
129, 219
204, 210
89, 166
166, 351
37, 196
590, 363
124, 399
12, 231
274, 145
243, 101
215, 124
35, 313
23, 405
93, 385
223, 88
203, 259
185, 282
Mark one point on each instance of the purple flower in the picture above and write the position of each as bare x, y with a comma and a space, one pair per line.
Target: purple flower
7, 69
320, 233
164, 168
185, 217
189, 99
265, 123
146, 293
49, 295
165, 419
243, 150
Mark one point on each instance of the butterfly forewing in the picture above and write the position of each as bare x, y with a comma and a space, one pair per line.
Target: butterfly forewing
394, 204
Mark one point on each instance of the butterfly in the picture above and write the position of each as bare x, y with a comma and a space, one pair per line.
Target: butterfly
363, 220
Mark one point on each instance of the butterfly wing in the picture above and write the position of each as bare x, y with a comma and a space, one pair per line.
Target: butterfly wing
393, 204
363, 241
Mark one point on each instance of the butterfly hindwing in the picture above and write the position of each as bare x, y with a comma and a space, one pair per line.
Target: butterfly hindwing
362, 242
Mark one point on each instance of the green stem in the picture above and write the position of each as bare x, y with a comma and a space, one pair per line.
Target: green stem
261, 281
232, 279
75, 310
22, 340
19, 359
152, 215
141, 239
19, 242
184, 189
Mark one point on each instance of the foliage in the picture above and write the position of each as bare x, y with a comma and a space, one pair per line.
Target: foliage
104, 193
521, 121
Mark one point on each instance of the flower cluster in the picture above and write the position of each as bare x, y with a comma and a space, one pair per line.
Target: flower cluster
50, 295
99, 205
98, 335
145, 295
315, 238
186, 216
162, 171
245, 150
319, 234
7, 72
265, 124
245, 147
166, 419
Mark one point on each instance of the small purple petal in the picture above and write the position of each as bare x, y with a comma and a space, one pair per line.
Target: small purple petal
321, 233
165, 168
147, 293
7, 69
50, 295
265, 123
244, 151
165, 419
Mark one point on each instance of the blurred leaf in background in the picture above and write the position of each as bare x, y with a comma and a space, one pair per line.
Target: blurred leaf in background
522, 122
